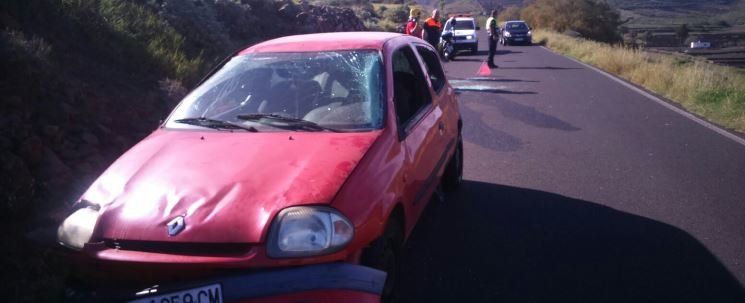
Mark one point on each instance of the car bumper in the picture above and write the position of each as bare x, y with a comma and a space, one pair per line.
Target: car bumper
328, 283
517, 40
465, 44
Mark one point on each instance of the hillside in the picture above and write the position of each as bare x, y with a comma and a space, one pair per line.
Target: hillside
83, 80
674, 12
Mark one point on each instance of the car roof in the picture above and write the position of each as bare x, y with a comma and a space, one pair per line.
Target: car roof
323, 42
515, 21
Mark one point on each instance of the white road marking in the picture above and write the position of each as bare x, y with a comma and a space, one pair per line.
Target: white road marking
654, 98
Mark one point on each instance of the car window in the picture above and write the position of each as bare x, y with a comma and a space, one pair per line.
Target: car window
336, 89
434, 69
411, 93
516, 25
464, 25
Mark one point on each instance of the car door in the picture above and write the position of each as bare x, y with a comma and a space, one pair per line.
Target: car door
418, 130
445, 107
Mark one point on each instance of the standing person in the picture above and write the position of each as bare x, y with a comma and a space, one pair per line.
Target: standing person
412, 26
433, 28
493, 30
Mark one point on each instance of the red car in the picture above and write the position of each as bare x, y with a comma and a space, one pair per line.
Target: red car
294, 172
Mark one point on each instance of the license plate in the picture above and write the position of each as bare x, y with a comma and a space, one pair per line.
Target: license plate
518, 39
205, 294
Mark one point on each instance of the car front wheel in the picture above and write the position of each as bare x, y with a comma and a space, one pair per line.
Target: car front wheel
385, 254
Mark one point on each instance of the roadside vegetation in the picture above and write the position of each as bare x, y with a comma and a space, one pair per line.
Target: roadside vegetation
83, 80
712, 91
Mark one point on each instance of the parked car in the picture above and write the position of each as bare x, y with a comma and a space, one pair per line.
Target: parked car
463, 30
516, 32
294, 172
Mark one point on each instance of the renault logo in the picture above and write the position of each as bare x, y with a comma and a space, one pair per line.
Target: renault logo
176, 226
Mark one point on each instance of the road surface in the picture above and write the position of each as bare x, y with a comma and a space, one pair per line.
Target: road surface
579, 189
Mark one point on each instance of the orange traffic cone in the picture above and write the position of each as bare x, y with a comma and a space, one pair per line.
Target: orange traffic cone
484, 70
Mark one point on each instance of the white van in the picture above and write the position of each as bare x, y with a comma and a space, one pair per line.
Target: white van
464, 33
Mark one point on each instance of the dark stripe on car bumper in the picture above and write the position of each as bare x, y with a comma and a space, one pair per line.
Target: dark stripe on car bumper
321, 277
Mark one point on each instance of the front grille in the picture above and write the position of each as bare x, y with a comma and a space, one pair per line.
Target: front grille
181, 248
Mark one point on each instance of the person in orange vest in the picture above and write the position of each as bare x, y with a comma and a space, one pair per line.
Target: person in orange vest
433, 28
412, 26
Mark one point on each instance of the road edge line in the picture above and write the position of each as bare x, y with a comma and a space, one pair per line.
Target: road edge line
656, 99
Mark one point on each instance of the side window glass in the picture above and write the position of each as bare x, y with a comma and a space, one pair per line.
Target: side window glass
434, 69
410, 92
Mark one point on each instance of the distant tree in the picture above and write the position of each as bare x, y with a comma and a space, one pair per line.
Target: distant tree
509, 13
382, 9
723, 23
646, 38
682, 32
591, 19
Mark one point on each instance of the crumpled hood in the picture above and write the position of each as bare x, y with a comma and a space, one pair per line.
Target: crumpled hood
228, 186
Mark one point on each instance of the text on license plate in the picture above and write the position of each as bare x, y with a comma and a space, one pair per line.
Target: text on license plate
205, 294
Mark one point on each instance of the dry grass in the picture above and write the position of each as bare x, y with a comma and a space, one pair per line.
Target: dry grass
712, 91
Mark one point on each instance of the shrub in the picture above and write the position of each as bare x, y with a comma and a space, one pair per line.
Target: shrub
592, 19
509, 13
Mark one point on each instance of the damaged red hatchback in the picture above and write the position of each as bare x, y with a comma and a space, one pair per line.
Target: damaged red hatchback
293, 173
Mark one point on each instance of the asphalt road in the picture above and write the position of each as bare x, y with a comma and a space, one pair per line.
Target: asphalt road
579, 189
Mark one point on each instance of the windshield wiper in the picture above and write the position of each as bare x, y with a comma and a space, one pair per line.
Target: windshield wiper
294, 123
215, 124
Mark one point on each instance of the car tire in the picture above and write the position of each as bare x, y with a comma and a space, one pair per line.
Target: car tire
453, 175
385, 254
474, 49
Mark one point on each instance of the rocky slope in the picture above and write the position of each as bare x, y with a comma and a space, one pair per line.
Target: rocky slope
83, 80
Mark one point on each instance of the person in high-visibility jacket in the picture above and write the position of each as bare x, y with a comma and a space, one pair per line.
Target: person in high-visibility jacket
433, 28
493, 30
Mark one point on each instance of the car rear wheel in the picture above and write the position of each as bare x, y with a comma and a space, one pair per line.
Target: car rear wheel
385, 254
453, 176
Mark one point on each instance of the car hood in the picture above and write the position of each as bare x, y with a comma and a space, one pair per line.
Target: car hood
228, 186
517, 31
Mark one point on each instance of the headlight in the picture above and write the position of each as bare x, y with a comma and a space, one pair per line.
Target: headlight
469, 37
308, 231
76, 229
530, 33
507, 34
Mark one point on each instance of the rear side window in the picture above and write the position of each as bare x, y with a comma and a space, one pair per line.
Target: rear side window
410, 92
434, 69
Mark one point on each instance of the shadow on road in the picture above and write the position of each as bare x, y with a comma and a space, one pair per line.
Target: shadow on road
493, 79
476, 131
482, 89
486, 53
513, 110
541, 67
529, 115
496, 243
